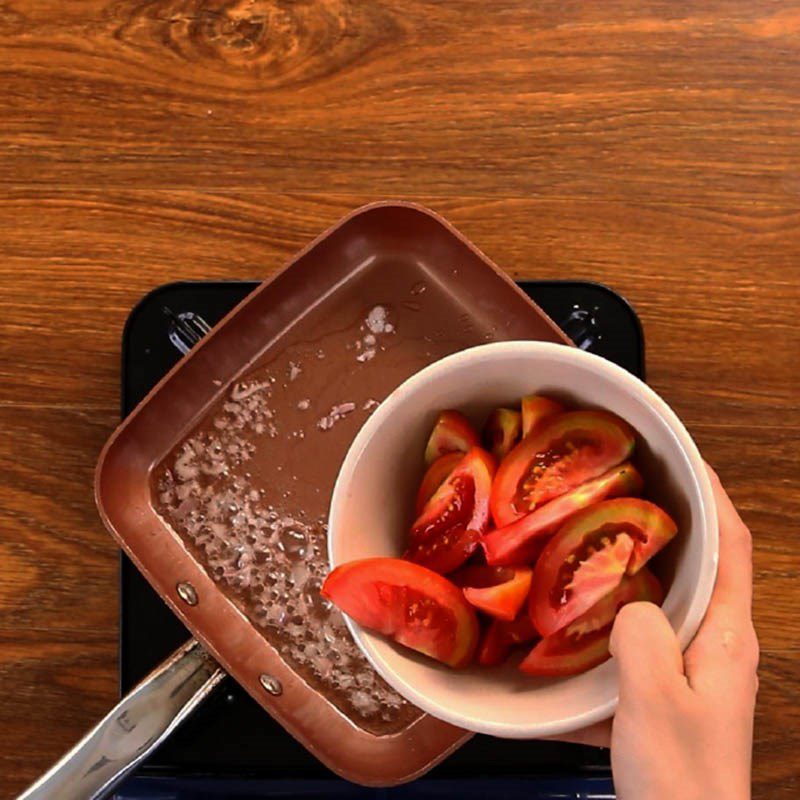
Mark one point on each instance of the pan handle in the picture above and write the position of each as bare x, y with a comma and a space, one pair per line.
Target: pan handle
138, 724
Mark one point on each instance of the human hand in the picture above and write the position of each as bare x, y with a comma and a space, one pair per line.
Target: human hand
684, 723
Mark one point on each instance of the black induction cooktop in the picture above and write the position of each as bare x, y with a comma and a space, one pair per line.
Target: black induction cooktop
230, 735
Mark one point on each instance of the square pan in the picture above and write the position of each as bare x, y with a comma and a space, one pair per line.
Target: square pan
441, 295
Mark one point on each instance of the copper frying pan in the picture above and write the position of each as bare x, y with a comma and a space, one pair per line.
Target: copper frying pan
217, 487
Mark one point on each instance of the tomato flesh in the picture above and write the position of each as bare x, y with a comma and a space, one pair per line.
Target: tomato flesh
520, 631
565, 452
502, 431
436, 474
590, 553
416, 607
583, 643
446, 552
498, 591
492, 648
655, 530
451, 433
448, 529
522, 541
499, 637
536, 408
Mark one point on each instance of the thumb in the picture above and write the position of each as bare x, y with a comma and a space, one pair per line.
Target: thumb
646, 651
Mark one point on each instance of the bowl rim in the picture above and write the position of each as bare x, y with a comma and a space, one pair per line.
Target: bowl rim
699, 477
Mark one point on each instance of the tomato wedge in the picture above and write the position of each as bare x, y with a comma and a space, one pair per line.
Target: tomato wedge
449, 528
590, 553
565, 452
445, 552
502, 431
655, 528
519, 631
451, 433
416, 607
492, 648
499, 637
583, 643
435, 476
522, 541
536, 408
497, 591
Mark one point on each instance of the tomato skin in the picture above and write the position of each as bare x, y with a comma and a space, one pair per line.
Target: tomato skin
537, 408
498, 591
658, 529
451, 433
436, 474
499, 637
588, 556
502, 431
583, 643
413, 605
566, 451
448, 529
522, 541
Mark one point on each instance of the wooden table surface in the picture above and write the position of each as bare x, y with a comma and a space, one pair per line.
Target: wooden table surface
654, 146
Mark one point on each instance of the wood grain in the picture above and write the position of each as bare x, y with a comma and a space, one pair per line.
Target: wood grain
652, 146
598, 99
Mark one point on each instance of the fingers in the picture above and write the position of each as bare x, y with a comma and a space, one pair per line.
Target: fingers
723, 657
734, 587
647, 652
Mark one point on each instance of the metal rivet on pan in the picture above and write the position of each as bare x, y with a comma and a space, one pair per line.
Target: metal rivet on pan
187, 593
272, 685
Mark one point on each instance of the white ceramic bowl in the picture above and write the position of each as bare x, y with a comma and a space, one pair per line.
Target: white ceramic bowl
372, 504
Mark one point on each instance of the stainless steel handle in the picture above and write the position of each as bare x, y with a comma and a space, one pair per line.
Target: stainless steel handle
138, 724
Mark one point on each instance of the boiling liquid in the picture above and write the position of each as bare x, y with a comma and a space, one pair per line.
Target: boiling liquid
216, 492
239, 489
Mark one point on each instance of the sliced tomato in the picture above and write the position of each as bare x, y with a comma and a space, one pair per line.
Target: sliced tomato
583, 643
448, 529
536, 408
415, 606
451, 433
588, 556
445, 552
520, 631
493, 649
499, 637
654, 530
522, 541
502, 431
596, 575
565, 452
497, 591
435, 476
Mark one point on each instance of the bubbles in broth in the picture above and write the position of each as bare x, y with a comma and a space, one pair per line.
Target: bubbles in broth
271, 560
